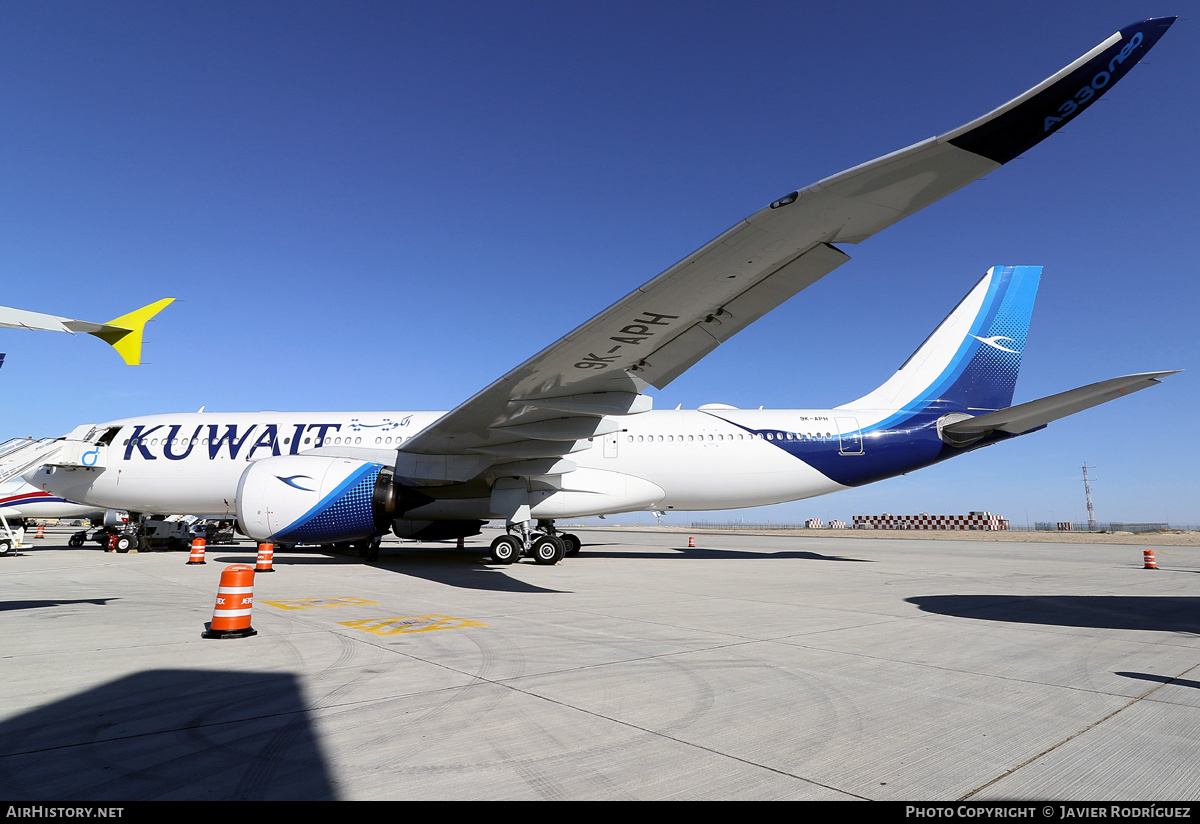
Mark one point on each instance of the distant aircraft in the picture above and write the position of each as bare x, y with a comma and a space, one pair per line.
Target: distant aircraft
20, 501
124, 333
569, 433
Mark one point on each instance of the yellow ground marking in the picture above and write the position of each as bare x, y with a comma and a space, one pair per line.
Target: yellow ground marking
320, 603
411, 623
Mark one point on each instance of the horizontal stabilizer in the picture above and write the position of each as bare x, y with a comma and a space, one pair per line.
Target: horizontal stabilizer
1027, 416
123, 334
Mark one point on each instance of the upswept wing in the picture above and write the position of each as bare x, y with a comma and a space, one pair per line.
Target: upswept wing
123, 334
576, 388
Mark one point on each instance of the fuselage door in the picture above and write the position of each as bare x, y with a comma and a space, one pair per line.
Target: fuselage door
850, 440
610, 444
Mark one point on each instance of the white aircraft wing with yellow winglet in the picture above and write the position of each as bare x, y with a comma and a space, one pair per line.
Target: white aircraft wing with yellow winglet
123, 334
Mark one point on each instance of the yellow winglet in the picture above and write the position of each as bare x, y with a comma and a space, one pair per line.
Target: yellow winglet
125, 333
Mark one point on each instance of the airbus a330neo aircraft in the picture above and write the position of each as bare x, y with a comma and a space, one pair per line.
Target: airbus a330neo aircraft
570, 433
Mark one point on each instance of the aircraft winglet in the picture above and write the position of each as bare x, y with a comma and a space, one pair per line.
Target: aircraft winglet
125, 333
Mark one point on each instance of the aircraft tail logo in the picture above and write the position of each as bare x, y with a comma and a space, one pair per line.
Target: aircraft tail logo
972, 359
994, 342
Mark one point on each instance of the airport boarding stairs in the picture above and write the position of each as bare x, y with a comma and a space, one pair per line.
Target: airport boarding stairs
19, 455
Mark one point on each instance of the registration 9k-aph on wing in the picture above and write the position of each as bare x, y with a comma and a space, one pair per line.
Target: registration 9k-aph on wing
578, 387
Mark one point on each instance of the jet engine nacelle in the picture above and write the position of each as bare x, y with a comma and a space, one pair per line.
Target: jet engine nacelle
113, 518
315, 499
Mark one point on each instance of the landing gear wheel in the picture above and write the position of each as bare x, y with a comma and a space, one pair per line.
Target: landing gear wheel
549, 550
573, 543
124, 543
75, 541
506, 549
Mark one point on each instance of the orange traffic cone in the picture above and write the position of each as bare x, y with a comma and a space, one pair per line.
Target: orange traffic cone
1148, 559
197, 556
41, 533
691, 542
235, 599
266, 554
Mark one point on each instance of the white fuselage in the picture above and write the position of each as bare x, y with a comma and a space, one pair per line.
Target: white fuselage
699, 459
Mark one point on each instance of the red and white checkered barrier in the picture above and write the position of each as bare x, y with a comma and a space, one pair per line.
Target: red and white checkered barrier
837, 524
973, 521
1066, 526
813, 523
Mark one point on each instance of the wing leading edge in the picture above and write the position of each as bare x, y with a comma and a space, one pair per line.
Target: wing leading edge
575, 388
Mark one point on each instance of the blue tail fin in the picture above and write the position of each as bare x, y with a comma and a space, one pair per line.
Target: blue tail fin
990, 357
971, 360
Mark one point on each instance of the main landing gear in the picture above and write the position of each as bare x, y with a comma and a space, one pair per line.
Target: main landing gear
543, 543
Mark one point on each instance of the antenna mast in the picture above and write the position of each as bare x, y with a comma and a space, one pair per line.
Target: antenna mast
1087, 489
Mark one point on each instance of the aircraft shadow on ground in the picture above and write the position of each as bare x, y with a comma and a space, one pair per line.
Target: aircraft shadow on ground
169, 734
707, 554
1140, 612
9, 606
1161, 679
463, 568
285, 559
470, 568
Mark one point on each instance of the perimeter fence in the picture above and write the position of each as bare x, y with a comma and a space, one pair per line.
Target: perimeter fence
1038, 526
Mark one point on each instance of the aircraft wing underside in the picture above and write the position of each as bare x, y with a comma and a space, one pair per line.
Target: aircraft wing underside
551, 404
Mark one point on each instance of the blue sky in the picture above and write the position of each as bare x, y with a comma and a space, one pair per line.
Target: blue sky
384, 206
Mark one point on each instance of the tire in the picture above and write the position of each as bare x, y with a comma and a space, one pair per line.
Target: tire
124, 543
75, 541
573, 543
505, 549
5, 546
549, 550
